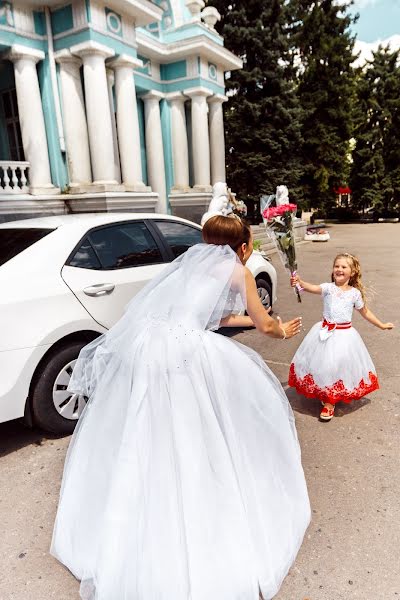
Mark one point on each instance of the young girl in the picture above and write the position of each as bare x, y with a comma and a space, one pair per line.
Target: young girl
184, 479
332, 363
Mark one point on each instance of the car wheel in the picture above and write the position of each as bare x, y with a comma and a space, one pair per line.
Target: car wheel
54, 408
264, 291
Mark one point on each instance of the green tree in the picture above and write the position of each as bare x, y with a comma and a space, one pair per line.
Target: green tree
375, 176
263, 115
326, 92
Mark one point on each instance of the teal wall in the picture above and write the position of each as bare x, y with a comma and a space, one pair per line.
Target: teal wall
190, 141
173, 70
58, 167
165, 111
62, 20
140, 106
6, 82
40, 22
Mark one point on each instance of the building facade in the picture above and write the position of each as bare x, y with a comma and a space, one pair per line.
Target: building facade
110, 105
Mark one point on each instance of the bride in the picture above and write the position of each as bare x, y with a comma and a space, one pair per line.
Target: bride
183, 480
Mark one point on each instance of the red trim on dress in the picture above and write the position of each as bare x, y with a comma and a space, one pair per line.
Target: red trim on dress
334, 393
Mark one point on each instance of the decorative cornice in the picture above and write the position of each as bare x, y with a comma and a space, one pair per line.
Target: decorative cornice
153, 95
124, 60
91, 48
19, 51
195, 92
64, 56
200, 45
218, 98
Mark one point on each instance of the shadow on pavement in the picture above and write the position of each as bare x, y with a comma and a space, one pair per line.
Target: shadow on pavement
14, 435
312, 407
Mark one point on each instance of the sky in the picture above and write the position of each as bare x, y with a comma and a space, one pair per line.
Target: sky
379, 19
379, 22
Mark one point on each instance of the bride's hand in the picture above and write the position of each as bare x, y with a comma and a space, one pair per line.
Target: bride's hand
290, 328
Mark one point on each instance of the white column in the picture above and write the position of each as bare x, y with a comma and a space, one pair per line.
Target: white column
180, 153
200, 138
98, 112
155, 148
217, 138
31, 117
74, 120
128, 122
110, 85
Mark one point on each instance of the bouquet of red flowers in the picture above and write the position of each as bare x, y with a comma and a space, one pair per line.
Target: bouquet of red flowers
278, 221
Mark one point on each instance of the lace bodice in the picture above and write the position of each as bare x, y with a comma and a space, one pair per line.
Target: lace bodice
339, 304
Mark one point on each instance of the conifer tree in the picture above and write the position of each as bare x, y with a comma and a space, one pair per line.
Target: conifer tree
375, 177
263, 115
326, 93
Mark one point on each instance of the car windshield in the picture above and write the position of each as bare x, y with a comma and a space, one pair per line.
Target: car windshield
16, 240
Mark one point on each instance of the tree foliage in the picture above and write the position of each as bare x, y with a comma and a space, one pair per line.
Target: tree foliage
326, 92
375, 177
263, 116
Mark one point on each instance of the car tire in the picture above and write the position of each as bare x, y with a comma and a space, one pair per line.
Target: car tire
264, 290
52, 379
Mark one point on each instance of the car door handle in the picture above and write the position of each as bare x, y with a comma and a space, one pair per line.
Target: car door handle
99, 289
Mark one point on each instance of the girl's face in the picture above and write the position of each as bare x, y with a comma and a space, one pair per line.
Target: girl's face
341, 271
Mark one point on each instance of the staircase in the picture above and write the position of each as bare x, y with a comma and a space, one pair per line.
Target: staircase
268, 245
261, 234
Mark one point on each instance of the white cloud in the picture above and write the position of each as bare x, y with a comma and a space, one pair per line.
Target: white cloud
359, 4
366, 48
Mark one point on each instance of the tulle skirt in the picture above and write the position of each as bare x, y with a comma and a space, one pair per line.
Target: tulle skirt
337, 369
183, 480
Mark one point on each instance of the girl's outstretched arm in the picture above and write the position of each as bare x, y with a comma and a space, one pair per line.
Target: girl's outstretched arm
369, 316
308, 287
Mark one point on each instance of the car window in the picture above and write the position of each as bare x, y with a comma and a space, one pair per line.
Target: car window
179, 236
85, 257
125, 245
16, 240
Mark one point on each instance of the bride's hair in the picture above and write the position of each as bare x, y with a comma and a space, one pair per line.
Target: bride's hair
231, 231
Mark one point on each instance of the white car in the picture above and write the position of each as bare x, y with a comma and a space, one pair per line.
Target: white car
66, 279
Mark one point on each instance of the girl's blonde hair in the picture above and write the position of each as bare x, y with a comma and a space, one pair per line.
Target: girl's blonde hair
355, 279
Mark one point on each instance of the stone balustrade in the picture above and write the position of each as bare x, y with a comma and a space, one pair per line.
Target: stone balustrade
14, 177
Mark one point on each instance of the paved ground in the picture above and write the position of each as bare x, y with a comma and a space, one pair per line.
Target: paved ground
352, 464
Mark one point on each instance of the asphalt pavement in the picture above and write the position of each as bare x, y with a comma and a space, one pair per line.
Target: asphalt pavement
352, 464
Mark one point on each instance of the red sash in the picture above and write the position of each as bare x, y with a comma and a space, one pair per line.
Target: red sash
332, 326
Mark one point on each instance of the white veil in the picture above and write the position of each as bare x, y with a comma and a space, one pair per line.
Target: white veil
195, 291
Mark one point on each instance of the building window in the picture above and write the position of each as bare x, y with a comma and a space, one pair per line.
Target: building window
8, 100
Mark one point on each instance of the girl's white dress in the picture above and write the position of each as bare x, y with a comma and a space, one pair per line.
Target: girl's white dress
332, 363
183, 480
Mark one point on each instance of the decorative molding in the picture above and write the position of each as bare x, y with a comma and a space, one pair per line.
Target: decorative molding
23, 19
192, 67
212, 72
113, 22
79, 14
129, 30
200, 45
91, 48
6, 14
98, 15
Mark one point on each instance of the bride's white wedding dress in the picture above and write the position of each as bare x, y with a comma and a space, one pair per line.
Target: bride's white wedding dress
183, 480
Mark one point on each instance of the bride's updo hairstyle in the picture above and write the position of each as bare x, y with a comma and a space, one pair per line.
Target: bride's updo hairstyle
230, 231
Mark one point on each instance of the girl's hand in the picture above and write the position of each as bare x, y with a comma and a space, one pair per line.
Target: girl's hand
294, 280
387, 326
290, 328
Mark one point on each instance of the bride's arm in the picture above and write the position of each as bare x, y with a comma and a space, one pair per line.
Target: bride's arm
236, 321
262, 321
